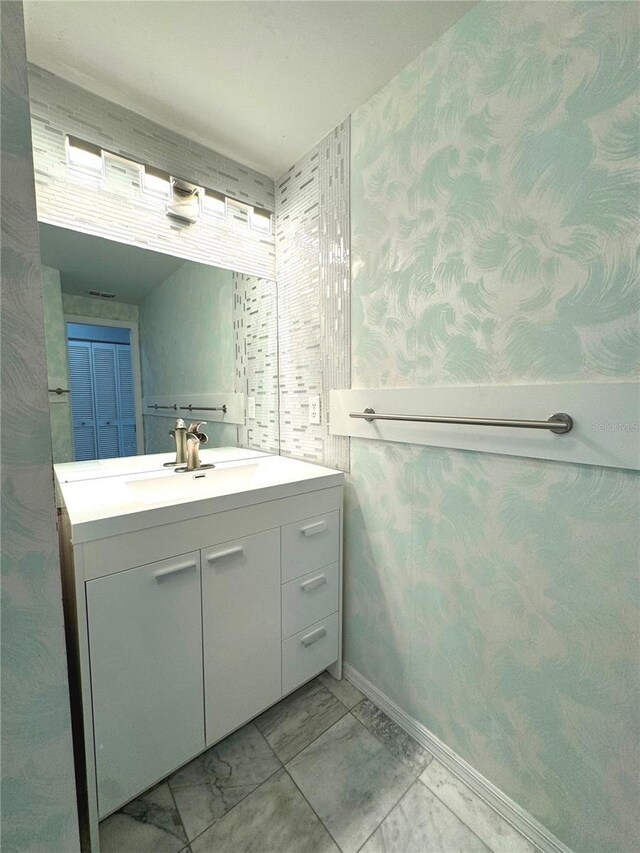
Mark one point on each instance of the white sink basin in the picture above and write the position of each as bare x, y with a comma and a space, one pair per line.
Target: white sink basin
69, 472
192, 485
109, 506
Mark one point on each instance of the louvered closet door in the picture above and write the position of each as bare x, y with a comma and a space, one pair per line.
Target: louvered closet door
126, 396
81, 379
106, 400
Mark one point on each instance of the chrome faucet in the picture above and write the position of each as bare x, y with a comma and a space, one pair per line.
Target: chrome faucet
194, 439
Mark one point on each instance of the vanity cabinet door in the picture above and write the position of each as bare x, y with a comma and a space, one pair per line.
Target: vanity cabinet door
241, 629
145, 643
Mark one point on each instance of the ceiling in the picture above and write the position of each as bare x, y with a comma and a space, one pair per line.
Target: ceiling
261, 82
88, 262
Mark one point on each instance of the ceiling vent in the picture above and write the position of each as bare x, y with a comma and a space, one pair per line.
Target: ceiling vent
101, 294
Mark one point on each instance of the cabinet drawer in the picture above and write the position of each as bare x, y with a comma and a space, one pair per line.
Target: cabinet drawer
310, 544
309, 598
309, 652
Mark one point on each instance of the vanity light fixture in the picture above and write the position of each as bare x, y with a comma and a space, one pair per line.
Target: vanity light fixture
260, 220
84, 157
154, 181
185, 201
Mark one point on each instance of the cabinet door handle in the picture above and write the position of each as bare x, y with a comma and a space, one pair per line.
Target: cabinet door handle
314, 636
312, 529
313, 583
159, 574
220, 555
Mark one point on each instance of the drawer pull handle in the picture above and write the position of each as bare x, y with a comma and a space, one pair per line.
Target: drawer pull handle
313, 583
159, 574
312, 529
220, 555
314, 636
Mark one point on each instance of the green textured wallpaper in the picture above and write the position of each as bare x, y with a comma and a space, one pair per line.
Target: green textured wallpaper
495, 193
39, 812
186, 345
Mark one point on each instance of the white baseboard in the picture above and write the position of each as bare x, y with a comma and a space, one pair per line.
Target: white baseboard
526, 825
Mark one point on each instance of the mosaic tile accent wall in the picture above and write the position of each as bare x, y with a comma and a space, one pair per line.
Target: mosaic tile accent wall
298, 277
255, 324
118, 209
38, 792
312, 240
335, 282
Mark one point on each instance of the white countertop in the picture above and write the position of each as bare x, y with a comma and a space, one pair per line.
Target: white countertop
114, 504
68, 472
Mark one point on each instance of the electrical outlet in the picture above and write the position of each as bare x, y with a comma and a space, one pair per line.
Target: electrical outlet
251, 407
314, 410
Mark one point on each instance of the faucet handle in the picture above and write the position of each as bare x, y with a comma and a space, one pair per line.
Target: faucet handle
194, 432
199, 437
180, 424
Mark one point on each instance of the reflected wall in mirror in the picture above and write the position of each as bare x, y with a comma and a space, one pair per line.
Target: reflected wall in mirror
135, 337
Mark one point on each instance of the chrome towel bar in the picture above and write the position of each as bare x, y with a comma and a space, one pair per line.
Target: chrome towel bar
559, 423
191, 408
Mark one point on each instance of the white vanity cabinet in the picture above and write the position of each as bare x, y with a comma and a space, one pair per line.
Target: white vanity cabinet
184, 622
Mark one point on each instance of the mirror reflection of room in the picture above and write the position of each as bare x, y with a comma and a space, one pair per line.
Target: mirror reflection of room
101, 385
136, 339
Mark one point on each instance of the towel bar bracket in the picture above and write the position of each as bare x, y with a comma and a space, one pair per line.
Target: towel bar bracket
564, 423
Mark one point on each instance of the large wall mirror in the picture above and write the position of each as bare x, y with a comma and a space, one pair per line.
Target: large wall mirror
136, 339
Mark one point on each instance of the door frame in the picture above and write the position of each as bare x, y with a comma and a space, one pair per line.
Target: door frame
134, 339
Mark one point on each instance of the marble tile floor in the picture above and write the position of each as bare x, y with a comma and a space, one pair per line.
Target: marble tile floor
323, 771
